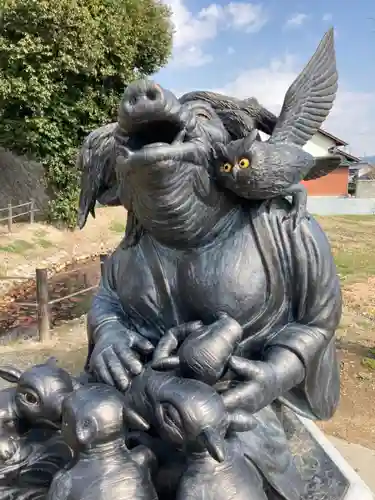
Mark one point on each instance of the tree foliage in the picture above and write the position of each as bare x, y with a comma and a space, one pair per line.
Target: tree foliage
63, 67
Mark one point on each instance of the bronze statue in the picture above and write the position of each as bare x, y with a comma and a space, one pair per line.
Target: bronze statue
199, 252
215, 316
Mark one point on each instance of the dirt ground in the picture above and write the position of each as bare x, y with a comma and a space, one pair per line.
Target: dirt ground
40, 245
352, 240
68, 345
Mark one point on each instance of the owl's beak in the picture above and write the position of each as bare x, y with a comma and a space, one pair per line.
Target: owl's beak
235, 170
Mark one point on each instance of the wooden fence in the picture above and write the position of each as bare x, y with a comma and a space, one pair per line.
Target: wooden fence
42, 304
11, 215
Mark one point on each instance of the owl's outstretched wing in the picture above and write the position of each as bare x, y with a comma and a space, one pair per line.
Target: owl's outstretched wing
96, 161
323, 166
310, 98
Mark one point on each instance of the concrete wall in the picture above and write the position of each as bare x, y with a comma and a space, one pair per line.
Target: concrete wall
329, 205
365, 189
21, 180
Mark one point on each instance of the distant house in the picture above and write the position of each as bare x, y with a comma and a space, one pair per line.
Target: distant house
360, 169
369, 159
336, 182
362, 180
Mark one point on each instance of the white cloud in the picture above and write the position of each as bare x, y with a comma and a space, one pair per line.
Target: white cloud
327, 17
268, 84
189, 29
192, 57
296, 20
247, 16
193, 30
352, 115
352, 119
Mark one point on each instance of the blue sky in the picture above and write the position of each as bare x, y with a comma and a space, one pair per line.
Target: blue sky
258, 48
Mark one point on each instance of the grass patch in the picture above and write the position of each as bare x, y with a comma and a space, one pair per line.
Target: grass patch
352, 242
41, 233
117, 227
43, 242
17, 246
369, 363
360, 218
357, 265
3, 270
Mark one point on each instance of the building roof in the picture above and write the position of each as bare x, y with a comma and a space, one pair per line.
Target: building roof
348, 159
339, 142
360, 165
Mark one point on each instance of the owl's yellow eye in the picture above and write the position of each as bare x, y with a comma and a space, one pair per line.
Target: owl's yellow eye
244, 163
227, 167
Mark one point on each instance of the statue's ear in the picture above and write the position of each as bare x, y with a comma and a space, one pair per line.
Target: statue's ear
10, 374
220, 151
132, 420
250, 138
76, 384
86, 430
52, 361
213, 443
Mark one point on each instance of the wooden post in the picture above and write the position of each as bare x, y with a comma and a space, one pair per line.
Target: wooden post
103, 258
10, 217
43, 308
32, 208
85, 280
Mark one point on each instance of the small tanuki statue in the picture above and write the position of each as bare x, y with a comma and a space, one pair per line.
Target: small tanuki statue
216, 314
31, 448
93, 424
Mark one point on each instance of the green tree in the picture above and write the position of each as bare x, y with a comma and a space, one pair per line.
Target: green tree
63, 67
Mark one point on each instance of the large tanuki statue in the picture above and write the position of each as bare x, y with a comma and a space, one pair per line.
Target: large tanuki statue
199, 264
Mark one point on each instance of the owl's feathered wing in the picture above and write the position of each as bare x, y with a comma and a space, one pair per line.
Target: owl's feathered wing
323, 166
310, 98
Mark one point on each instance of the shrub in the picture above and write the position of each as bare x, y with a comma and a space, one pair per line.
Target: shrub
63, 67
